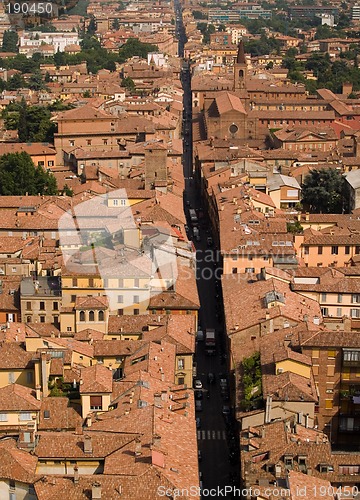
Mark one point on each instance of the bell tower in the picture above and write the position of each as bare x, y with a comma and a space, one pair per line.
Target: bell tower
240, 68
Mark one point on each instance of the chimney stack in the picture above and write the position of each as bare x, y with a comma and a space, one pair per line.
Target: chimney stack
156, 440
88, 421
138, 447
87, 444
96, 491
38, 392
44, 375
76, 474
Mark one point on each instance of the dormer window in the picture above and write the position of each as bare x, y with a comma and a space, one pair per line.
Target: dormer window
288, 461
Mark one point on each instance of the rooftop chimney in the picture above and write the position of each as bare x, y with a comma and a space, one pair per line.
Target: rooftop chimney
88, 421
96, 491
156, 440
157, 399
87, 444
38, 392
76, 474
138, 447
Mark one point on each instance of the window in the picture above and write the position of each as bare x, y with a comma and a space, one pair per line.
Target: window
181, 380
3, 417
136, 282
105, 141
11, 378
28, 306
101, 315
328, 404
136, 299
357, 249
42, 319
95, 402
323, 297
13, 269
73, 298
330, 370
91, 316
249, 269
50, 163
120, 299
25, 416
331, 354
88, 142
29, 377
325, 311
136, 312
355, 313
120, 312
42, 306
55, 306
306, 250
347, 250
91, 282
72, 143
28, 319
315, 369
340, 297
123, 202
339, 312
41, 163
334, 250
75, 282
320, 248
121, 283
351, 355
115, 203
12, 484
181, 364
315, 353
68, 329
355, 298
82, 315
234, 270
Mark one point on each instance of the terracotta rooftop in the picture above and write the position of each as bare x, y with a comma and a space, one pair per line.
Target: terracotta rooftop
96, 379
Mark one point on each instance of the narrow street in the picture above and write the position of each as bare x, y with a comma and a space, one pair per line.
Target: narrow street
217, 442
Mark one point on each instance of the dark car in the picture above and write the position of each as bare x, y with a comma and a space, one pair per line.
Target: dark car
211, 378
199, 395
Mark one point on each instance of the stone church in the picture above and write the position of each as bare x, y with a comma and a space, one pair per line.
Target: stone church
225, 112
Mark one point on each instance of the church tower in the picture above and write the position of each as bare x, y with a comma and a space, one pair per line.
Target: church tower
240, 68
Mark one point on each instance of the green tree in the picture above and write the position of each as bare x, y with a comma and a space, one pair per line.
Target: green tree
10, 42
322, 191
18, 176
22, 127
36, 81
199, 15
128, 83
92, 27
16, 82
87, 94
133, 47
116, 24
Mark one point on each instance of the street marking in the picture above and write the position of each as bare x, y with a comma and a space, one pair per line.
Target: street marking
211, 435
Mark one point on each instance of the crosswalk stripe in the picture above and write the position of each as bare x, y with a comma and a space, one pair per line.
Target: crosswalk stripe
211, 435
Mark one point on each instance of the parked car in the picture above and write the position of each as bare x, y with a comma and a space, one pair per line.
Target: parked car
199, 395
198, 384
198, 422
226, 410
211, 378
198, 405
209, 241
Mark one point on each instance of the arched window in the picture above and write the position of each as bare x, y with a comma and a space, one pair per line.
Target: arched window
82, 315
241, 73
91, 316
101, 315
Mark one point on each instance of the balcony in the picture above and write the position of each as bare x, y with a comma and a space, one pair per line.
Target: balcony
351, 358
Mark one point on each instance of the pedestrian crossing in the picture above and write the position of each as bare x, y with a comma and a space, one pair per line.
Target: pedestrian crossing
211, 435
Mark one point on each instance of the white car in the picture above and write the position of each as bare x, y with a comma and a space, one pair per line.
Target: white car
198, 384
